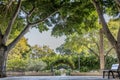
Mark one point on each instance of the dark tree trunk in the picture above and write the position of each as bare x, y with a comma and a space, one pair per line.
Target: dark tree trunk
117, 49
3, 58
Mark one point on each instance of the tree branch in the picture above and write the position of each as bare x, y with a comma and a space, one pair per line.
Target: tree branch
9, 4
104, 24
92, 51
26, 29
97, 45
12, 44
117, 2
39, 21
28, 13
31, 11
10, 24
108, 51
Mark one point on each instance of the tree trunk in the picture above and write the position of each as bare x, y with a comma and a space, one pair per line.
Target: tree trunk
117, 49
101, 53
79, 62
3, 58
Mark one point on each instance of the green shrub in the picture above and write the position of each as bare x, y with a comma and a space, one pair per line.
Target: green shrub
109, 61
88, 63
16, 64
36, 65
57, 72
84, 69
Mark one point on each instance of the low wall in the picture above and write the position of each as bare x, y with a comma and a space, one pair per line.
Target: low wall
86, 74
29, 74
51, 74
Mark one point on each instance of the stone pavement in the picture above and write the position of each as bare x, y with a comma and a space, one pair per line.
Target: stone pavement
56, 78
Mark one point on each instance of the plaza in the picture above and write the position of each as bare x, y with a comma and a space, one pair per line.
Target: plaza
56, 78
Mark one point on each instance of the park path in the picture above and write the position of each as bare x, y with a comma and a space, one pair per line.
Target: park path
56, 78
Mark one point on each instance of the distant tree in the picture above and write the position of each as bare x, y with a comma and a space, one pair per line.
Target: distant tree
39, 52
87, 43
63, 51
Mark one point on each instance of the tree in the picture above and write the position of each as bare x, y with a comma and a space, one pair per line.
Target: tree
66, 17
19, 16
38, 52
88, 43
62, 50
81, 21
114, 42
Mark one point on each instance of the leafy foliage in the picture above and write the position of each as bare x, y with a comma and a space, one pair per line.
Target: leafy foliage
16, 64
114, 25
110, 7
20, 50
65, 16
36, 65
109, 61
63, 60
76, 17
39, 52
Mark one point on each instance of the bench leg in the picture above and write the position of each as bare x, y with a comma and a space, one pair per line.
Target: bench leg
103, 74
108, 74
118, 74
113, 74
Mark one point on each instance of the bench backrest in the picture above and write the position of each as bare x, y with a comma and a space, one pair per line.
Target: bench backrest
115, 66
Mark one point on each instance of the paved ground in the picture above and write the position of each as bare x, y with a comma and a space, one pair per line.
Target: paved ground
56, 78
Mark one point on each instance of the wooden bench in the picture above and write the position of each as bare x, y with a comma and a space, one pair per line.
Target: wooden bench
114, 69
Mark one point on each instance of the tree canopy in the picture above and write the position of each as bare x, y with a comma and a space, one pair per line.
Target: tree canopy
64, 16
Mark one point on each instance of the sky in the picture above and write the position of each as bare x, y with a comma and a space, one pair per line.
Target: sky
35, 37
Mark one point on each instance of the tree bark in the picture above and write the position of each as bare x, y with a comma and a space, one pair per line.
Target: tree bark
101, 53
117, 1
3, 58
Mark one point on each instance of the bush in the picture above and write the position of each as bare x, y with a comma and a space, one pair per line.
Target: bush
88, 63
109, 61
57, 72
84, 69
16, 64
36, 65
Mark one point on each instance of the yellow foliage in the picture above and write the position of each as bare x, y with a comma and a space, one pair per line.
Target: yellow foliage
20, 48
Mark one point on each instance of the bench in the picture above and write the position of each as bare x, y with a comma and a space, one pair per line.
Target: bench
114, 69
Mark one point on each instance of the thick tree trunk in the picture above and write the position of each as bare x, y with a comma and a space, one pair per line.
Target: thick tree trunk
117, 49
101, 53
3, 58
